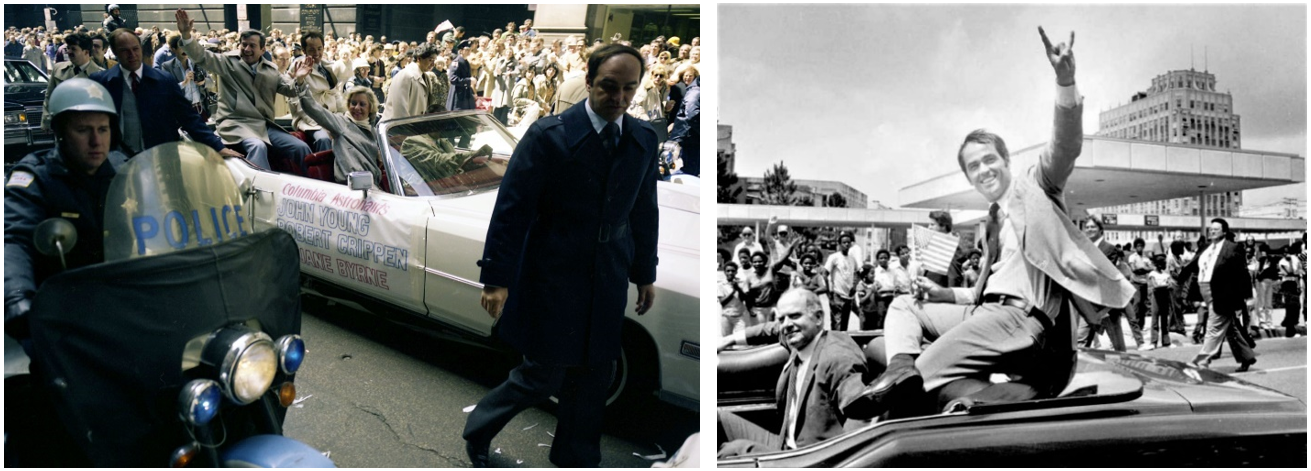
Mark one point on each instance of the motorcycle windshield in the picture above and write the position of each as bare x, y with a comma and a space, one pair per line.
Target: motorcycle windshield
172, 197
108, 339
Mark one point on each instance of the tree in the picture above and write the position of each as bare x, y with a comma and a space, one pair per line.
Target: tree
836, 200
779, 189
727, 188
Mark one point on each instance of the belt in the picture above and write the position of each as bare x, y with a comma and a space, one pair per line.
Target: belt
607, 232
1007, 300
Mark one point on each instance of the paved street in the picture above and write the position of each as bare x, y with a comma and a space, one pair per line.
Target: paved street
375, 394
1281, 362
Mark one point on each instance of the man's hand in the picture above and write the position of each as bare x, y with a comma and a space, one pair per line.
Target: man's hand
1062, 58
185, 23
645, 298
303, 70
725, 342
494, 299
226, 152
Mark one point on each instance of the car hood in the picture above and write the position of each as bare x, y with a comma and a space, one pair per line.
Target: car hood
25, 93
1204, 390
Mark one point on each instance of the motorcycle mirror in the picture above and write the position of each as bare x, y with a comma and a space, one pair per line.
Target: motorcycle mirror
55, 236
360, 181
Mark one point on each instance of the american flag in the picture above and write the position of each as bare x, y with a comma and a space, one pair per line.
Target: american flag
935, 248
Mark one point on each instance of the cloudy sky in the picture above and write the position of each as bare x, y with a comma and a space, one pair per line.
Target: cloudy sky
879, 96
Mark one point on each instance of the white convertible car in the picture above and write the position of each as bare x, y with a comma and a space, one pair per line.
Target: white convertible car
411, 245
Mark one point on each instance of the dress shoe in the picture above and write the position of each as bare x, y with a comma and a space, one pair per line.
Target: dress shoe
898, 383
477, 453
1245, 365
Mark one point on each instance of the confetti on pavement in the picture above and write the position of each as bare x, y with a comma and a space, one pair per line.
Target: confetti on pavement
470, 408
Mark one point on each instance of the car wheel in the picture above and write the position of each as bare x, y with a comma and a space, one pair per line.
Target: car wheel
635, 371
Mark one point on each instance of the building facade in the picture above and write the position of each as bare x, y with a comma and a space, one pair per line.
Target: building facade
817, 190
1181, 107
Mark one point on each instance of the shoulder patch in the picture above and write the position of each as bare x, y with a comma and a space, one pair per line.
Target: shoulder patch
20, 179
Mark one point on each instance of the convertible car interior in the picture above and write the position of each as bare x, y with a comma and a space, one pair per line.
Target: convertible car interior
747, 378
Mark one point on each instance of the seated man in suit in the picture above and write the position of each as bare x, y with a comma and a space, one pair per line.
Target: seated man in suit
151, 106
822, 379
1018, 319
248, 84
323, 83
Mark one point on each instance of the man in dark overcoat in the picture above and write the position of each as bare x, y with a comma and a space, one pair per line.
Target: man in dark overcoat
576, 220
460, 96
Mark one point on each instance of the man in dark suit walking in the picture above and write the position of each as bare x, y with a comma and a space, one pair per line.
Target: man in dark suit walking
822, 377
150, 104
1038, 270
1111, 323
576, 221
1225, 285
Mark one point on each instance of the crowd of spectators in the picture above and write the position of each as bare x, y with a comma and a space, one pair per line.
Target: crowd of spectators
513, 72
856, 288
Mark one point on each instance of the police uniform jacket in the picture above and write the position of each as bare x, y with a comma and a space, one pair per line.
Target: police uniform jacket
40, 187
460, 96
245, 109
572, 227
60, 72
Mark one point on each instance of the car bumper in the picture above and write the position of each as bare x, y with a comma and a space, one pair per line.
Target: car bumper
28, 136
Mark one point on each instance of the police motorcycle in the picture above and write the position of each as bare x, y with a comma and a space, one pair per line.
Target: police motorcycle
183, 346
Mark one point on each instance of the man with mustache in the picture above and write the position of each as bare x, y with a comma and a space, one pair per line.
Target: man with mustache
1018, 319
821, 379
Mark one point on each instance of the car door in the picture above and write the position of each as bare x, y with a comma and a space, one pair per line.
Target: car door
370, 243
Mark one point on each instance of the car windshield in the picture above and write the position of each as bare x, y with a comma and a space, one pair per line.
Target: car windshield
22, 72
449, 155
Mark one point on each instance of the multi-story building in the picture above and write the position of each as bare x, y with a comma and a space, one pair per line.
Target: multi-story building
817, 190
1181, 107
727, 150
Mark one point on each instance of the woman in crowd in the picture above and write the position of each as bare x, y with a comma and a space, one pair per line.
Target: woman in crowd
649, 101
549, 83
361, 77
1267, 276
354, 143
507, 73
527, 108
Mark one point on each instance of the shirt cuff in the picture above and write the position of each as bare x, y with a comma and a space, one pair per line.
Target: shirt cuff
963, 295
1067, 97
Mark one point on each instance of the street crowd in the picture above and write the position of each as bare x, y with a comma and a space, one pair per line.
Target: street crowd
513, 72
857, 289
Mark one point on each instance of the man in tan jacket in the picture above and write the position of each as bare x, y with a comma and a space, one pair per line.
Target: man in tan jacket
249, 83
79, 65
323, 83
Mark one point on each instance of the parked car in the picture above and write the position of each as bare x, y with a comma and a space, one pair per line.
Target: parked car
408, 249
25, 91
1120, 409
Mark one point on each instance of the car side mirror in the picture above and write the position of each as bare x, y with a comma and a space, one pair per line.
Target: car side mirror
55, 236
360, 181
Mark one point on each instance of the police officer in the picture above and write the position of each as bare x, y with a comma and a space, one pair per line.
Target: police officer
69, 181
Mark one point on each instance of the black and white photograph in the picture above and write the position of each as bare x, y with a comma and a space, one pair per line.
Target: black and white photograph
338, 235
1011, 235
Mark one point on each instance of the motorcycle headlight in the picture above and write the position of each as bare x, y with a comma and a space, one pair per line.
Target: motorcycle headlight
199, 400
248, 366
291, 352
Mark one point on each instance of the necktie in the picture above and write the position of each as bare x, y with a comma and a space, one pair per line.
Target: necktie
77, 71
991, 250
135, 83
790, 414
610, 137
